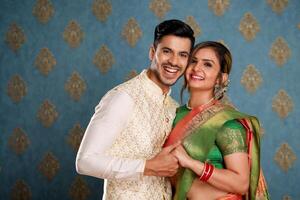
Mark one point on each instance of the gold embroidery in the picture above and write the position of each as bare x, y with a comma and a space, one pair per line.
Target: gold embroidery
16, 88
249, 26
280, 51
20, 191
49, 166
104, 59
75, 136
132, 74
132, 32
278, 5
18, 141
285, 157
190, 20
201, 118
282, 104
45, 61
251, 78
43, 10
75, 86
218, 6
102, 9
15, 37
160, 7
73, 34
79, 189
47, 114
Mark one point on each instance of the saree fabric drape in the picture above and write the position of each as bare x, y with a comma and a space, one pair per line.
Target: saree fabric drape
197, 129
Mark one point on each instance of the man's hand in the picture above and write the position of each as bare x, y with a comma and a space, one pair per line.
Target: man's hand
164, 164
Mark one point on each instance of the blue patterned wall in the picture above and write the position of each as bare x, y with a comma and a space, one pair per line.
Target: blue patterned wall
58, 58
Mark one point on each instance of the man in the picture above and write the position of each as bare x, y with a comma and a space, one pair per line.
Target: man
123, 141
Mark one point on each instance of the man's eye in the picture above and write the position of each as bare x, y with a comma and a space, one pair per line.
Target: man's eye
184, 55
166, 51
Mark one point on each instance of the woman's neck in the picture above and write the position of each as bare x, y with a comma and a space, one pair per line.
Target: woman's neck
198, 98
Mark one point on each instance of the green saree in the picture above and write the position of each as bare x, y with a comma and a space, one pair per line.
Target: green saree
212, 133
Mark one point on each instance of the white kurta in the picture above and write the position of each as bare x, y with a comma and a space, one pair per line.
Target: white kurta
129, 126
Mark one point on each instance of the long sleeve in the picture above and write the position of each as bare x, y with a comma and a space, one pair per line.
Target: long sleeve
110, 117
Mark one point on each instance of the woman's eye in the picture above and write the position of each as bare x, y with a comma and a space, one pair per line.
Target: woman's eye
208, 64
193, 61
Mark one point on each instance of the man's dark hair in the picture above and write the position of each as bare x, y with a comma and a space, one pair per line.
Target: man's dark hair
173, 27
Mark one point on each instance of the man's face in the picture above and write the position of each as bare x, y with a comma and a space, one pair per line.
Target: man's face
169, 60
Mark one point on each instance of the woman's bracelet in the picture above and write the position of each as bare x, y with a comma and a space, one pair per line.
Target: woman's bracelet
207, 172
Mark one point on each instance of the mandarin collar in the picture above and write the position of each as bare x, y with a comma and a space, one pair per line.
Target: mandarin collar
155, 89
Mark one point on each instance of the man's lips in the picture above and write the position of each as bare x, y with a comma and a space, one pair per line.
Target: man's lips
171, 69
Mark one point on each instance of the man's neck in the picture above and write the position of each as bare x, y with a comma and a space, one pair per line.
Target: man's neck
165, 89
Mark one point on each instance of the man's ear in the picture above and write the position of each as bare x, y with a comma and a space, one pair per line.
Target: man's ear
151, 52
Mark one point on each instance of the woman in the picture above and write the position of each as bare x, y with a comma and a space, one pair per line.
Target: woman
219, 154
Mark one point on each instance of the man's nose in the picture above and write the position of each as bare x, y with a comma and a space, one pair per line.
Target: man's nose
173, 60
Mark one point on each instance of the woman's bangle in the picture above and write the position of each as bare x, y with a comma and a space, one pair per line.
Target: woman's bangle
207, 172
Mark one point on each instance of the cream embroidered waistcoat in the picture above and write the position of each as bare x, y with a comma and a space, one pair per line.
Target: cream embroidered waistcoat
143, 137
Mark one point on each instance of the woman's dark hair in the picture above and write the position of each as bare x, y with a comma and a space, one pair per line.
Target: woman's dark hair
173, 27
222, 53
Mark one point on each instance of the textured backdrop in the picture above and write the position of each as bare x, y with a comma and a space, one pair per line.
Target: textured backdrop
58, 58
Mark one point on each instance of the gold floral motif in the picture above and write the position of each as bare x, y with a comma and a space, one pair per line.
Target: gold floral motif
190, 20
286, 197
160, 7
47, 113
75, 136
285, 157
104, 59
16, 88
49, 166
282, 104
15, 37
73, 34
249, 26
278, 5
79, 189
43, 10
45, 61
280, 51
102, 9
218, 6
132, 32
75, 86
20, 191
132, 74
18, 141
251, 78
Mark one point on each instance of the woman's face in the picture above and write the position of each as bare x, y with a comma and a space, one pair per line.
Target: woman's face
203, 71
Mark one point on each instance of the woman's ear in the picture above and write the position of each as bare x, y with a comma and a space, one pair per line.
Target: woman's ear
224, 78
151, 52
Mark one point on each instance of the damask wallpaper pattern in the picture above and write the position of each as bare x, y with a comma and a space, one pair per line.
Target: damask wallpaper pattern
58, 58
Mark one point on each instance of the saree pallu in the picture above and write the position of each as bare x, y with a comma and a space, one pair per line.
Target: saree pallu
197, 131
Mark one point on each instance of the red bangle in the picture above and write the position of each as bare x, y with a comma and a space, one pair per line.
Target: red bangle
207, 172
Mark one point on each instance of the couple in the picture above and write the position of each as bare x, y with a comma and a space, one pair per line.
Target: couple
212, 152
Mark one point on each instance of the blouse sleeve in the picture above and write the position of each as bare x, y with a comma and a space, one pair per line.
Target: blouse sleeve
232, 138
110, 117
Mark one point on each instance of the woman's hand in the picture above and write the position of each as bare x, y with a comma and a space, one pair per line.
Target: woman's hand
184, 159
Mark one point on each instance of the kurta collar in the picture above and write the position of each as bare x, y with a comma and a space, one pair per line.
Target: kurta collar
155, 89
